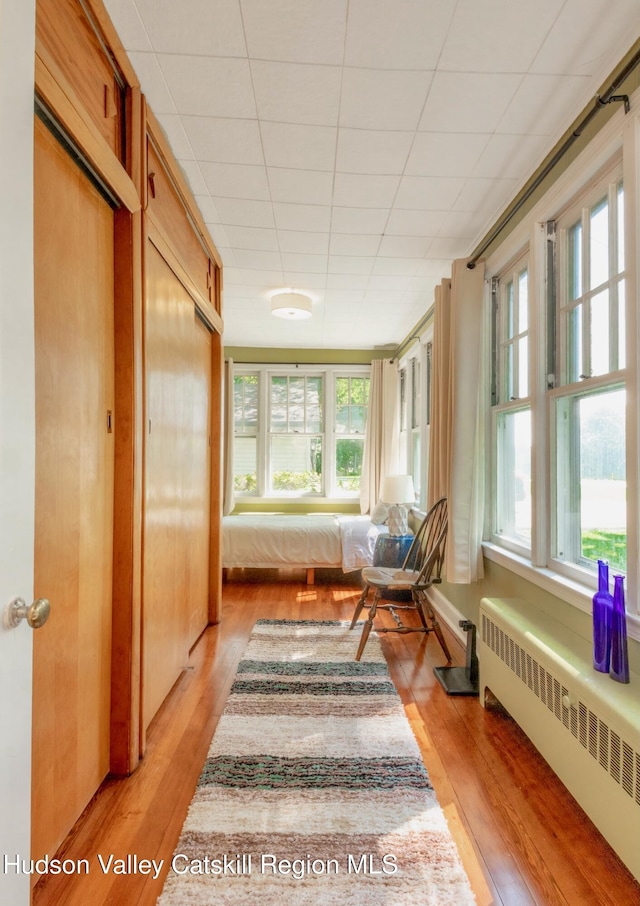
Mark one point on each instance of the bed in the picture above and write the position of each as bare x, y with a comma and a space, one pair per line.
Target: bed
306, 541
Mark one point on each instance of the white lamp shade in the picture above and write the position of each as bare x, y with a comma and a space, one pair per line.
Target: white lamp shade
398, 489
292, 306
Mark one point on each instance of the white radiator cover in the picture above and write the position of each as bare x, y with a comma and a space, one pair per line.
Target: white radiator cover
585, 725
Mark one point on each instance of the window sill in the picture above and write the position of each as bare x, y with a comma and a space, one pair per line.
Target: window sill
566, 589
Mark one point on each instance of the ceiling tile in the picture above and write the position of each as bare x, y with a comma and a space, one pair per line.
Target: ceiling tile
510, 156
211, 27
191, 169
351, 282
297, 93
207, 208
431, 267
450, 248
240, 212
306, 282
328, 97
497, 35
350, 264
252, 279
359, 190
358, 220
463, 224
176, 136
236, 180
298, 263
209, 86
404, 246
336, 298
306, 243
414, 223
299, 31
540, 105
299, 147
467, 102
224, 140
428, 193
154, 83
445, 153
485, 195
369, 151
582, 36
383, 100
131, 31
353, 244
403, 34
220, 238
258, 260
396, 266
389, 284
253, 238
301, 186
315, 218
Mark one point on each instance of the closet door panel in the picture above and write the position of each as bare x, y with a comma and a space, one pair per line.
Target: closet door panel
177, 481
74, 337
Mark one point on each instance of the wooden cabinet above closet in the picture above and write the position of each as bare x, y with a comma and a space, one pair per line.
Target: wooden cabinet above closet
72, 43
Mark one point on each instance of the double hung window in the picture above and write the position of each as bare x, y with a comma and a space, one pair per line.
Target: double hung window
589, 402
299, 433
559, 417
512, 405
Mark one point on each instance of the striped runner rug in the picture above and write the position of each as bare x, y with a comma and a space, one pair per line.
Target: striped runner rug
314, 790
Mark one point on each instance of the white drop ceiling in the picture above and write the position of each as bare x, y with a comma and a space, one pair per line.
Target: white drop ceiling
350, 149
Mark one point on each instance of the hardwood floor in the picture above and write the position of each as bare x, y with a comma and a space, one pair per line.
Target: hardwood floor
521, 836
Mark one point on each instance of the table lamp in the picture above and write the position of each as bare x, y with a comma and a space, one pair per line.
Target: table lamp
398, 491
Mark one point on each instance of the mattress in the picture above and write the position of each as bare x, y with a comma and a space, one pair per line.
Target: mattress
274, 540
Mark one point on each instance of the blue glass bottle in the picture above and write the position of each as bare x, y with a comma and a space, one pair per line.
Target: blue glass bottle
619, 669
602, 611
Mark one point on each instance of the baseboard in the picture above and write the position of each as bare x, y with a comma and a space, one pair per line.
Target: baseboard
448, 614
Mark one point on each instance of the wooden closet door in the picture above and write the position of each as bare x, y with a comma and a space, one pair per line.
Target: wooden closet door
177, 481
74, 339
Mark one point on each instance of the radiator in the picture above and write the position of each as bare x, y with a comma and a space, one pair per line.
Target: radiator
585, 725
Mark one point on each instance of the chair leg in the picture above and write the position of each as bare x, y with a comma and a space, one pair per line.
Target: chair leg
418, 603
435, 626
368, 626
359, 606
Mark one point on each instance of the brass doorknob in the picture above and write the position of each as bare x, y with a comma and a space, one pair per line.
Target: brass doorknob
36, 614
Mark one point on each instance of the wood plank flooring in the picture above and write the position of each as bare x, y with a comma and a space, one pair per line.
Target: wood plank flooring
522, 837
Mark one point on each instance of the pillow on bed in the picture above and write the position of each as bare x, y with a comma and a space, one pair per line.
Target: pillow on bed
380, 512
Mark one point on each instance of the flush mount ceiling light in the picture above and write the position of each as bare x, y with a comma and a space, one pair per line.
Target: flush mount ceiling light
291, 306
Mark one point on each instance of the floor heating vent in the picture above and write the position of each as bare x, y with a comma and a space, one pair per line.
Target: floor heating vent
586, 726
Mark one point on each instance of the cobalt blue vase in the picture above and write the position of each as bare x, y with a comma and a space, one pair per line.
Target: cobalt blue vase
602, 613
619, 668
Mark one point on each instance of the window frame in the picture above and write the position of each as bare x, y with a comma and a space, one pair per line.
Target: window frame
618, 141
329, 373
502, 402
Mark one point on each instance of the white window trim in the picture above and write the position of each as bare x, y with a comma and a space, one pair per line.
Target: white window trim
621, 133
329, 435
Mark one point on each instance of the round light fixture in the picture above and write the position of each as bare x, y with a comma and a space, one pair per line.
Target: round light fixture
291, 306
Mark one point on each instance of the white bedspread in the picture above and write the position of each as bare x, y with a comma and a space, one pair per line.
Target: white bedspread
272, 540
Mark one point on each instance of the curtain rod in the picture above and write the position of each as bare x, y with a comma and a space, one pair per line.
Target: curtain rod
602, 100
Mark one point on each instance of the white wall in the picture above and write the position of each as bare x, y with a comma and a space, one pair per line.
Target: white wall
17, 424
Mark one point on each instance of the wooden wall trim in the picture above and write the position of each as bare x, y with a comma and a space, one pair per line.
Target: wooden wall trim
159, 239
62, 100
129, 437
215, 537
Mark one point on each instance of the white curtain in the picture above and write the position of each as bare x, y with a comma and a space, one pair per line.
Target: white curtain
228, 494
457, 437
383, 432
